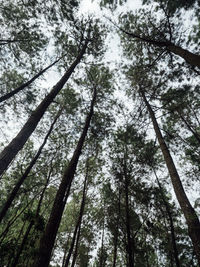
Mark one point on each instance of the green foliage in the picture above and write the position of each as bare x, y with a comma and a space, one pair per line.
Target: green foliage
121, 156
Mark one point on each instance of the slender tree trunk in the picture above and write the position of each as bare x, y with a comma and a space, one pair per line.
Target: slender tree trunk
196, 135
48, 239
14, 218
66, 248
28, 230
78, 221
128, 228
16, 245
9, 153
76, 246
24, 85
187, 209
101, 261
16, 259
15, 190
172, 230
117, 232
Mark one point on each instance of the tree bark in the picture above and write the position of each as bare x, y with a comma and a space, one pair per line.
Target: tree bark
101, 260
48, 239
128, 228
172, 230
9, 153
76, 246
188, 126
24, 85
116, 236
187, 209
78, 221
15, 190
189, 57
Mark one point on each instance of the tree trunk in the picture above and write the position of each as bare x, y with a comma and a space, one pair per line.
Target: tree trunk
14, 218
25, 238
101, 260
196, 135
117, 232
189, 57
9, 153
16, 259
128, 228
24, 85
172, 230
66, 247
27, 171
78, 221
48, 239
187, 209
76, 246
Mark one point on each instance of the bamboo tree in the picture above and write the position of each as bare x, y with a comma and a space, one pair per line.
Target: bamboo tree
48, 239
9, 152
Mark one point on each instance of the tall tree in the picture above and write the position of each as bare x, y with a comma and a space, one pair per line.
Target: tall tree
9, 153
187, 209
47, 241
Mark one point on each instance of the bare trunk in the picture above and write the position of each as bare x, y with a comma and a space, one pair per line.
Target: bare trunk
78, 222
48, 239
9, 153
187, 209
15, 190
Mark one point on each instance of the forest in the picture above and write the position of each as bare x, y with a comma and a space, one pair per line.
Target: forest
99, 133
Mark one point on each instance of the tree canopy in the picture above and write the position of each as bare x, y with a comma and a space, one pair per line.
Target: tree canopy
99, 160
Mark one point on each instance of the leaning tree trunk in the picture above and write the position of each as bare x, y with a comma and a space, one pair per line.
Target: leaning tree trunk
48, 239
187, 209
24, 85
9, 153
78, 222
189, 57
15, 190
